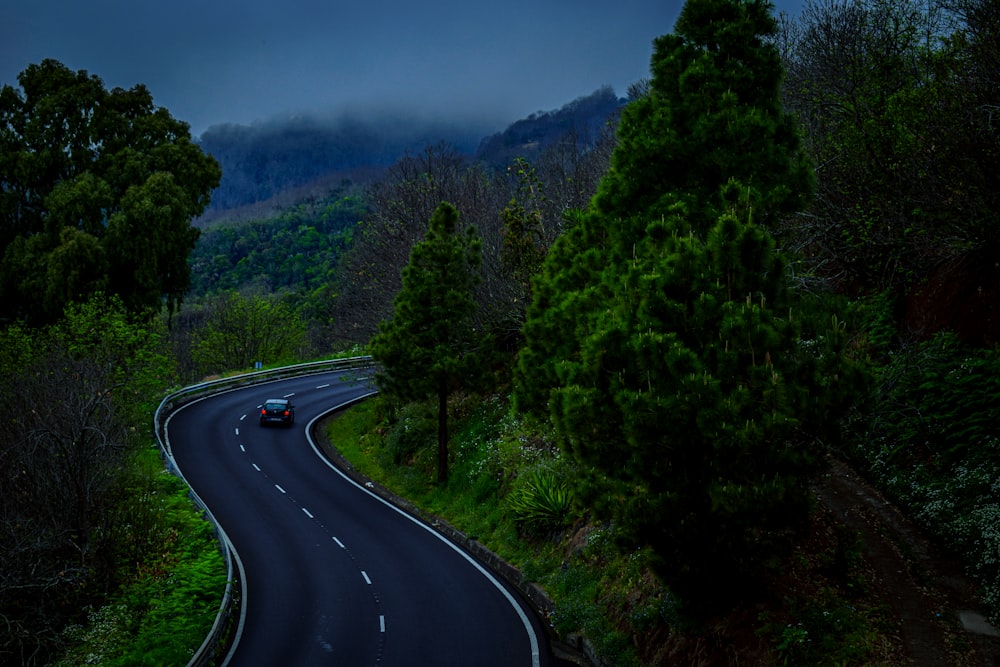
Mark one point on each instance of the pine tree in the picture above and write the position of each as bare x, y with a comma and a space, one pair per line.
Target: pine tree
429, 346
663, 337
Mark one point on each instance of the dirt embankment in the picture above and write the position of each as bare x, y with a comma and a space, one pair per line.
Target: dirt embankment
939, 617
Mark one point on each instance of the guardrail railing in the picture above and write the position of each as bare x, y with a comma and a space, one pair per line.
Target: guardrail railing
170, 403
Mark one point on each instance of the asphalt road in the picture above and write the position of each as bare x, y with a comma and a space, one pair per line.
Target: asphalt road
334, 575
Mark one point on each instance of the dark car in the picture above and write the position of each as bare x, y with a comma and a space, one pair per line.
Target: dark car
277, 411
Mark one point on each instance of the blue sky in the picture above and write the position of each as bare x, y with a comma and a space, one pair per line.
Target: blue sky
211, 62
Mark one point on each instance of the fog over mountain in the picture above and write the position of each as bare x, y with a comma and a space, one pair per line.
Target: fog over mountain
266, 158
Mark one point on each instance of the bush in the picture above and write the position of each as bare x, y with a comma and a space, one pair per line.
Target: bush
933, 443
541, 501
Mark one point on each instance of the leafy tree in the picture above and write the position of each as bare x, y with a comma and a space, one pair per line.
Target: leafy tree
241, 330
897, 108
97, 190
663, 340
429, 347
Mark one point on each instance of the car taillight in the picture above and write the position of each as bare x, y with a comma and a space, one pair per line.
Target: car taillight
263, 411
286, 413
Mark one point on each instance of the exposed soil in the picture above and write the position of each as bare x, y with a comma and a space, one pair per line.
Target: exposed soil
940, 619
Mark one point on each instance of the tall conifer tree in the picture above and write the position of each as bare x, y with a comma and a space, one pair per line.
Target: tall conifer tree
429, 346
663, 338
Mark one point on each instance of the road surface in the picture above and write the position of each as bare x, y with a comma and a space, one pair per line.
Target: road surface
335, 575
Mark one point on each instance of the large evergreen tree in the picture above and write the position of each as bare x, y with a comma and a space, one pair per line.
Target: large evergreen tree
97, 191
663, 340
429, 346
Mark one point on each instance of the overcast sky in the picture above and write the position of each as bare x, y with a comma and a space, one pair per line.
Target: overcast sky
217, 61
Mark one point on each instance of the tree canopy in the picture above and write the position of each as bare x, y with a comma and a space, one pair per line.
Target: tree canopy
664, 341
97, 191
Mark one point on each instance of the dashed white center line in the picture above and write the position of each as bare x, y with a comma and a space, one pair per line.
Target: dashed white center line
381, 623
323, 386
280, 489
365, 575
339, 543
243, 417
308, 513
242, 448
256, 467
237, 430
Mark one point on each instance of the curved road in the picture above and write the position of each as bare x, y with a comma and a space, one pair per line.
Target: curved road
333, 574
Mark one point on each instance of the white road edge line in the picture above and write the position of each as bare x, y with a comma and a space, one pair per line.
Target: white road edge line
525, 621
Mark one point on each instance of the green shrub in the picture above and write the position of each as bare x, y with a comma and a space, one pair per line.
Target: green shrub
415, 430
933, 443
541, 501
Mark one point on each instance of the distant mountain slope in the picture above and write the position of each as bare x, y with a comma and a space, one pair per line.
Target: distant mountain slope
264, 160
583, 119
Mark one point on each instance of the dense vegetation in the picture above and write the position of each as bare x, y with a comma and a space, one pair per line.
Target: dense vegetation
782, 211
97, 192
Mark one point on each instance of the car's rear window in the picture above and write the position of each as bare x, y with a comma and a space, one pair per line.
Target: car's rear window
275, 406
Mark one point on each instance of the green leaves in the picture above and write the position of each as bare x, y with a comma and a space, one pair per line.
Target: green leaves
119, 173
541, 502
660, 340
429, 346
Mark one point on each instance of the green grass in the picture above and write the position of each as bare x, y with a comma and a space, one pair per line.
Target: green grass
166, 606
599, 591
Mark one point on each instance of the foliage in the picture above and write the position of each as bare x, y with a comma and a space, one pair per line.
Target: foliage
934, 444
67, 514
429, 347
542, 500
98, 190
298, 249
242, 330
599, 591
681, 373
167, 605
896, 105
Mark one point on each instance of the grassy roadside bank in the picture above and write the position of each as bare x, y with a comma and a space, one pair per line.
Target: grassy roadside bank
166, 604
500, 493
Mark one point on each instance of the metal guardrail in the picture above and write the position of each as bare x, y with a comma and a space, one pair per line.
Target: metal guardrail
170, 404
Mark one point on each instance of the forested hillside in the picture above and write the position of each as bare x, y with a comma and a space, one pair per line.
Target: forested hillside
651, 343
262, 160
